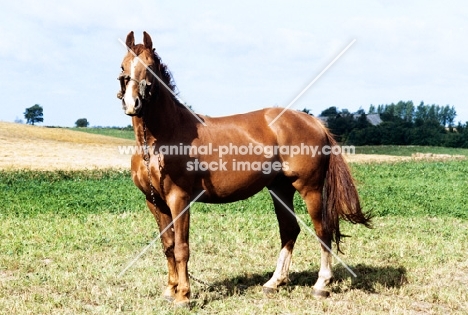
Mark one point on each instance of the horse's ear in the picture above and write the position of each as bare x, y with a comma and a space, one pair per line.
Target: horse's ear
130, 41
147, 41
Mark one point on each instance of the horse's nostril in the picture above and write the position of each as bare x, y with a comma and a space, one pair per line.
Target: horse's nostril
137, 104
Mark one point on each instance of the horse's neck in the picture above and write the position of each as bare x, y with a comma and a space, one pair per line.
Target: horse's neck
158, 123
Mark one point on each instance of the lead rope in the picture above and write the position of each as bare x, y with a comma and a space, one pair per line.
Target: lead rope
146, 158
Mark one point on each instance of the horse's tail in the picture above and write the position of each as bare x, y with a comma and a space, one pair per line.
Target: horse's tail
340, 197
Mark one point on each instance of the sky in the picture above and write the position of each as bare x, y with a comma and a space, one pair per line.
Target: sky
234, 57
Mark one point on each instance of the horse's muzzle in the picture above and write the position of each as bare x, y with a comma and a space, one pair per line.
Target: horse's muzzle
134, 109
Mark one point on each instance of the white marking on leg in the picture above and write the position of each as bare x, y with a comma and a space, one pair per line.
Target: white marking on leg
281, 274
312, 233
325, 272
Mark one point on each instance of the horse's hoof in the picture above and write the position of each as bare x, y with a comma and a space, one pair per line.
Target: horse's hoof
320, 294
169, 298
269, 291
182, 305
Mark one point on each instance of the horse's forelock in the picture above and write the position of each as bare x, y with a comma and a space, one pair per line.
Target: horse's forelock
166, 75
138, 49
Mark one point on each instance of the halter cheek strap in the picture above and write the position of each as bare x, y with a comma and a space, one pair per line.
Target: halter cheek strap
142, 85
142, 88
122, 77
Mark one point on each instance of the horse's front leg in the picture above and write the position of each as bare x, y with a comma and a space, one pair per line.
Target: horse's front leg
179, 205
163, 216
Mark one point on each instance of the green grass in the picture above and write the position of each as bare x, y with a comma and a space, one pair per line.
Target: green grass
67, 193
65, 236
68, 265
414, 188
124, 133
408, 150
404, 189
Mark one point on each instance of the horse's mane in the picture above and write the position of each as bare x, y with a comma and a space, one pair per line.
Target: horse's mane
166, 75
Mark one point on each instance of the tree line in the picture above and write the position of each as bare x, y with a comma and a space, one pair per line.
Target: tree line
402, 123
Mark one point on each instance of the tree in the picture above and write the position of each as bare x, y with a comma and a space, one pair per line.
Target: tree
340, 124
361, 122
82, 123
34, 114
380, 109
408, 113
307, 111
421, 112
432, 113
331, 111
360, 111
451, 114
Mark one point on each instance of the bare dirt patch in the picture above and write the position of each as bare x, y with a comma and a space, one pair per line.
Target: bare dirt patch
42, 148
437, 157
380, 158
375, 158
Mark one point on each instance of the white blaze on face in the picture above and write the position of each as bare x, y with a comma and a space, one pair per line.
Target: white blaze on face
128, 97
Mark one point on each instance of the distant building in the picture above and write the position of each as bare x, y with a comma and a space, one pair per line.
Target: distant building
374, 119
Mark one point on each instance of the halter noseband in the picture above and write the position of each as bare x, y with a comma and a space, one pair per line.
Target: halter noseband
142, 85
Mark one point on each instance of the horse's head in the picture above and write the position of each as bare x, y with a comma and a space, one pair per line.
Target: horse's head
137, 81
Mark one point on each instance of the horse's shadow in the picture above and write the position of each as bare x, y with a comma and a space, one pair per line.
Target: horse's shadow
367, 279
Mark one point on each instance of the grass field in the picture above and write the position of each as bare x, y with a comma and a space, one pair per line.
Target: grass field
124, 133
66, 235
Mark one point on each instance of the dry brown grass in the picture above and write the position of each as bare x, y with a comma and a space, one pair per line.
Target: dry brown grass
42, 148
375, 158
381, 158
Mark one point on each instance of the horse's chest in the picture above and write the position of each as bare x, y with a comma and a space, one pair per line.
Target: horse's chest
140, 171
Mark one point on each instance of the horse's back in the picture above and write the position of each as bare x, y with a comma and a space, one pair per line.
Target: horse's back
286, 128
294, 143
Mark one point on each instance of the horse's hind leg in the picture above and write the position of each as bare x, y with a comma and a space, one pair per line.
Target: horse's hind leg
313, 200
289, 230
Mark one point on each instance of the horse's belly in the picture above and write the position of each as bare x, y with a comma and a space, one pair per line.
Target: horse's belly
234, 186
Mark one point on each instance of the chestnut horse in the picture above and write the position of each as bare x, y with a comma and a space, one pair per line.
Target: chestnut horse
171, 181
